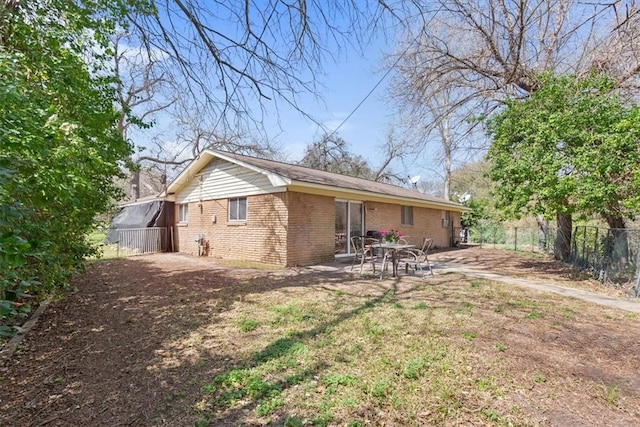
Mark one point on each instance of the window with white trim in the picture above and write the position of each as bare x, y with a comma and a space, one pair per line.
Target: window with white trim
406, 215
238, 209
183, 212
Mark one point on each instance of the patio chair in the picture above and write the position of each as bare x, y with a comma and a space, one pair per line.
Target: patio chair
417, 259
363, 251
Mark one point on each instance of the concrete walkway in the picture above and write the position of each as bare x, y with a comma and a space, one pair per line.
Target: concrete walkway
441, 267
594, 297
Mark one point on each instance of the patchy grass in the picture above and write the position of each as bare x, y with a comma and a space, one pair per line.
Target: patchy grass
344, 358
157, 341
105, 251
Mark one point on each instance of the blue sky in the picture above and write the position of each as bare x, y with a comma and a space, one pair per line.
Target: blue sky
345, 84
342, 85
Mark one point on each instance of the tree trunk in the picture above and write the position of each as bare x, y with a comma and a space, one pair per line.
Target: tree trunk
562, 246
615, 221
135, 184
619, 245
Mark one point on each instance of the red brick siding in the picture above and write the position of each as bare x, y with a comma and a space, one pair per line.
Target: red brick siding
265, 237
262, 238
283, 229
426, 222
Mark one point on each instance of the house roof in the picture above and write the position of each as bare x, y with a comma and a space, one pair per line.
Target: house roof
307, 179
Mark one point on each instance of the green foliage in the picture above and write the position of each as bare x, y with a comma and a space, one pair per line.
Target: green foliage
472, 179
533, 315
491, 415
339, 380
468, 335
480, 210
60, 147
612, 395
381, 388
248, 325
240, 384
414, 368
539, 378
571, 147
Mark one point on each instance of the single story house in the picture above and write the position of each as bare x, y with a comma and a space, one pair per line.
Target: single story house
238, 207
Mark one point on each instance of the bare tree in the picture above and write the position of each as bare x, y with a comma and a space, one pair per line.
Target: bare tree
496, 47
330, 153
236, 60
142, 91
441, 130
394, 151
227, 65
193, 135
493, 49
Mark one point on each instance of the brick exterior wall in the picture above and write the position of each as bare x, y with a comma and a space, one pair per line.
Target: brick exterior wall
426, 223
311, 237
289, 229
262, 238
284, 229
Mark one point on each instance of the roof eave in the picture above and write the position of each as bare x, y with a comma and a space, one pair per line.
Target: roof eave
204, 158
374, 196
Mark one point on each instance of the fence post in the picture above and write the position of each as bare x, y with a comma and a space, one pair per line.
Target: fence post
595, 248
584, 246
494, 237
515, 239
547, 236
533, 231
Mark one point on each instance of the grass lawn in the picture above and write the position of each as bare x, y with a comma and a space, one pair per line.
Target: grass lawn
176, 340
464, 352
106, 251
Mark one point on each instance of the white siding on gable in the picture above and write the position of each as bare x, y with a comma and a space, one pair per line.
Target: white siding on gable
221, 179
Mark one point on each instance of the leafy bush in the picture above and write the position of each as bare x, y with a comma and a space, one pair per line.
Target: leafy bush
60, 145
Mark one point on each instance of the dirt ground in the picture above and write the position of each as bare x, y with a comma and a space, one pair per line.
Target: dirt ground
98, 356
529, 265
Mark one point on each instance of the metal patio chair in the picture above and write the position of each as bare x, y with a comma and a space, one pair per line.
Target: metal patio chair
417, 259
363, 251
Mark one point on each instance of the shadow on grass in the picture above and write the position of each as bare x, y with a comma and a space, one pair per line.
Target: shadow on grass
109, 354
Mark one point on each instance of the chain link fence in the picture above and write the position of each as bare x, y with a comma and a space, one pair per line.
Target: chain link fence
498, 236
612, 255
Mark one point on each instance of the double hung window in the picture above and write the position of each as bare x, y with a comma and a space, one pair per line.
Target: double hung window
183, 213
406, 215
238, 209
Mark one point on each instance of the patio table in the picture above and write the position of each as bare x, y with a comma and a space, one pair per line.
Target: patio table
393, 249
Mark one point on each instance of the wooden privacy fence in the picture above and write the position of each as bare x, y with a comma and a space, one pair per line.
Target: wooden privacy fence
137, 241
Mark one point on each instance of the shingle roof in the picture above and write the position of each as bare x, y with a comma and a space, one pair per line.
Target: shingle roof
313, 176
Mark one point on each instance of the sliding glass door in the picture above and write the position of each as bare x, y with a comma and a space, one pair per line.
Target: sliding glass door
349, 222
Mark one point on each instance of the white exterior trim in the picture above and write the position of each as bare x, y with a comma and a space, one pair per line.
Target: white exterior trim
243, 179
